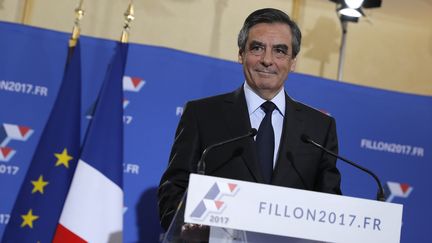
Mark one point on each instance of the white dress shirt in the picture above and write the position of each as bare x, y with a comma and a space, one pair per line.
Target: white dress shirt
256, 113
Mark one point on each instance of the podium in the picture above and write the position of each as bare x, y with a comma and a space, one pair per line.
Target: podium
225, 210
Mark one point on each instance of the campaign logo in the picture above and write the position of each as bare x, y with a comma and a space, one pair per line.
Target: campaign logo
390, 147
6, 154
91, 110
395, 189
133, 84
9, 132
130, 84
125, 103
179, 110
212, 201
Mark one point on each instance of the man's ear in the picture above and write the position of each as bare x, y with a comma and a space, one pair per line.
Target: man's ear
293, 64
240, 57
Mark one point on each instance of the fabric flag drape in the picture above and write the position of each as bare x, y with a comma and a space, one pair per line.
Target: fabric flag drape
41, 197
93, 210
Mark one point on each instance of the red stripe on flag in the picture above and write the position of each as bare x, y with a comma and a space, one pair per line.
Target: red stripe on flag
64, 235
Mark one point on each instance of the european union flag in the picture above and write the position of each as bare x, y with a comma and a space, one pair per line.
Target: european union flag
40, 200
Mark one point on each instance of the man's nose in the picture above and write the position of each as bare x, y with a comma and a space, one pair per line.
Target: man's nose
267, 58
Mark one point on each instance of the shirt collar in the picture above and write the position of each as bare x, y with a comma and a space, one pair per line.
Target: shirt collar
254, 102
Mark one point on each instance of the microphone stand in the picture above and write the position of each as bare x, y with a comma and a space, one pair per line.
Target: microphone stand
201, 166
380, 194
188, 230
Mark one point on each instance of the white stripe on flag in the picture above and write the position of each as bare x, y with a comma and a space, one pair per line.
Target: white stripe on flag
94, 207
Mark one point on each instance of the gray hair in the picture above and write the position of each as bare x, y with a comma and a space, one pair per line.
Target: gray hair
269, 15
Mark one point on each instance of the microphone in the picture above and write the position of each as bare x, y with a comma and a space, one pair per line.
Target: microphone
380, 194
201, 163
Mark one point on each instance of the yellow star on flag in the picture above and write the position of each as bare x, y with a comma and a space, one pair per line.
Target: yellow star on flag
28, 219
38, 186
63, 158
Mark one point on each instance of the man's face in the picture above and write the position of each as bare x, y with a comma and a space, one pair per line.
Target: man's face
267, 58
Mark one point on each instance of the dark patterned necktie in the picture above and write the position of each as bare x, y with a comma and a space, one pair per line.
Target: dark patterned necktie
265, 141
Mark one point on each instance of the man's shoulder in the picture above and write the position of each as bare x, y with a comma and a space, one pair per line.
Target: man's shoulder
311, 111
210, 108
214, 100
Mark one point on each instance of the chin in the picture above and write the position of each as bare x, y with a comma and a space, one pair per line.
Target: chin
268, 84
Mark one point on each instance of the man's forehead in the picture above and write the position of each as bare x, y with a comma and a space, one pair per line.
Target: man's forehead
276, 25
257, 42
270, 32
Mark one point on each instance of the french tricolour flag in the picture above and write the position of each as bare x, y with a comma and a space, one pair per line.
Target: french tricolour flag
93, 210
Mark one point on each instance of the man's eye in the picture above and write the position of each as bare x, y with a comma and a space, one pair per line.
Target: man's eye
281, 51
256, 48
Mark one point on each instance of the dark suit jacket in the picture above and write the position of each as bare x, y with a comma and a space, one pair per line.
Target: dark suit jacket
211, 120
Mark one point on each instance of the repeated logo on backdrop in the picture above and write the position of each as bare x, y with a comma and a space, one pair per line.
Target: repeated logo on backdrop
391, 147
130, 84
9, 132
133, 84
396, 189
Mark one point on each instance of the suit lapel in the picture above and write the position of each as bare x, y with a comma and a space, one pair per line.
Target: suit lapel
237, 116
291, 132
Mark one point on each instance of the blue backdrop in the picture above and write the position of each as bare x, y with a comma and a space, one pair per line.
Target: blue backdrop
388, 132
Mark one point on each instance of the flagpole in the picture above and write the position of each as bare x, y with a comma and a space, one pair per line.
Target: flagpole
129, 17
28, 7
79, 13
296, 8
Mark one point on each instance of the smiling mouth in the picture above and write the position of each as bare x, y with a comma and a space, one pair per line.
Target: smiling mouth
266, 72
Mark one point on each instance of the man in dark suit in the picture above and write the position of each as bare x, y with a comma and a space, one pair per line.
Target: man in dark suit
268, 45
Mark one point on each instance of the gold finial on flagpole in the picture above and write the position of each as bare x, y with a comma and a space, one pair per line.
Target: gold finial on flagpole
129, 17
296, 9
27, 10
79, 13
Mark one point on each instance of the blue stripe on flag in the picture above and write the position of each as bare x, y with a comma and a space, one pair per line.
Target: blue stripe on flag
103, 146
